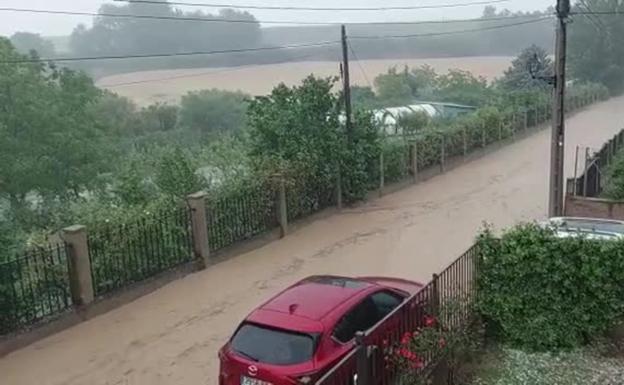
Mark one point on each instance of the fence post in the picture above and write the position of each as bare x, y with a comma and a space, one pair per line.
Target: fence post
339, 189
435, 301
442, 154
382, 171
80, 278
500, 130
586, 171
414, 161
362, 362
282, 207
199, 228
514, 123
526, 119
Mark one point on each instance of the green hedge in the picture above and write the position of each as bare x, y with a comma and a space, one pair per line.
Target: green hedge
543, 293
495, 122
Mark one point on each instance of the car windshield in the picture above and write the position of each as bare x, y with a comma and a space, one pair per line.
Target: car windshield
273, 346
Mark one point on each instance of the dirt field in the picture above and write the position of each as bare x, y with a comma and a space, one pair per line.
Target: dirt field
260, 79
172, 335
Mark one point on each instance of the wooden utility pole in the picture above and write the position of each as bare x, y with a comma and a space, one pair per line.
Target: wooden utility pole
555, 201
346, 82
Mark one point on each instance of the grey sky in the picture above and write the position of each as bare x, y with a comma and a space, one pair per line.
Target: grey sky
62, 25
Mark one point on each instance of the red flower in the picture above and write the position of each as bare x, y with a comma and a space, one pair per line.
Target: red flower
430, 321
406, 338
442, 343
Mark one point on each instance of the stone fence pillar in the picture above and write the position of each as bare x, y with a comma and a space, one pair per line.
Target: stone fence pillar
80, 279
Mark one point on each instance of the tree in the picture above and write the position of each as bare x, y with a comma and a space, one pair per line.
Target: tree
123, 36
50, 142
462, 87
363, 97
528, 70
394, 88
25, 42
595, 52
214, 111
159, 117
297, 131
298, 127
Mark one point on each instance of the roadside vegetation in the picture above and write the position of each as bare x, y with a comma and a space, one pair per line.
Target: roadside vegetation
551, 307
74, 153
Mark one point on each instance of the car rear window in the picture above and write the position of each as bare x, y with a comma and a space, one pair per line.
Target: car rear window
273, 346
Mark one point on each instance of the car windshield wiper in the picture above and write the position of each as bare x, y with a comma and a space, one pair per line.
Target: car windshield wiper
247, 355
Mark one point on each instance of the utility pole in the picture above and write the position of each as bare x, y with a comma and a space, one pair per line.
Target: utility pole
555, 201
346, 82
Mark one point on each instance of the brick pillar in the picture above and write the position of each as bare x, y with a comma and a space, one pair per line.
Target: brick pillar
199, 226
80, 279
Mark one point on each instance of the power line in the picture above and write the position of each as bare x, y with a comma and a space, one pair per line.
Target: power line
495, 27
159, 55
357, 60
291, 8
613, 13
199, 74
248, 21
325, 43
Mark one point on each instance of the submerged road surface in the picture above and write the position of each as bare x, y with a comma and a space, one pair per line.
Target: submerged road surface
172, 335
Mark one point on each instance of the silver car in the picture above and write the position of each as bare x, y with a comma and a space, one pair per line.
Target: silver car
591, 228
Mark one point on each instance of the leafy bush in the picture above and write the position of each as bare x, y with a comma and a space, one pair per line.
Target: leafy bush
209, 112
396, 160
543, 293
614, 188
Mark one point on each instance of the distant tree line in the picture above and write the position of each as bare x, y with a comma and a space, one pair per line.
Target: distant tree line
123, 36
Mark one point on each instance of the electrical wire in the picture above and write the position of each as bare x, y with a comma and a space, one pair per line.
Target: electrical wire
174, 54
325, 43
357, 60
613, 13
199, 74
291, 8
503, 26
593, 20
249, 21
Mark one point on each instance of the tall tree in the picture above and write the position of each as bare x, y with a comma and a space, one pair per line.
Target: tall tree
25, 42
50, 144
596, 53
528, 70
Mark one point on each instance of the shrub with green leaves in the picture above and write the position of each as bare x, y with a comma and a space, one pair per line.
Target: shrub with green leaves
540, 292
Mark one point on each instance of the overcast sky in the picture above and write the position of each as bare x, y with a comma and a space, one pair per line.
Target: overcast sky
11, 22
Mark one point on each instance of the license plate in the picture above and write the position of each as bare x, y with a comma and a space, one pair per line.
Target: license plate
252, 381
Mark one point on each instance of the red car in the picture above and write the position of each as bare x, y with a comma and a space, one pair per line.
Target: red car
296, 336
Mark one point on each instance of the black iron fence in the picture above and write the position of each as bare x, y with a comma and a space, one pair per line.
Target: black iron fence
240, 215
34, 287
125, 254
305, 197
368, 361
592, 179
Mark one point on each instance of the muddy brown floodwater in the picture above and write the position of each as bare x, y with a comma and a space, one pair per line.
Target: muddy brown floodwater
172, 335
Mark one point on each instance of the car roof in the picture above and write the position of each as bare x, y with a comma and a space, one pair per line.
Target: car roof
601, 227
307, 303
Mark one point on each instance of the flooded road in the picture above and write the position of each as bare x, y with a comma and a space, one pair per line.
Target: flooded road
172, 335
